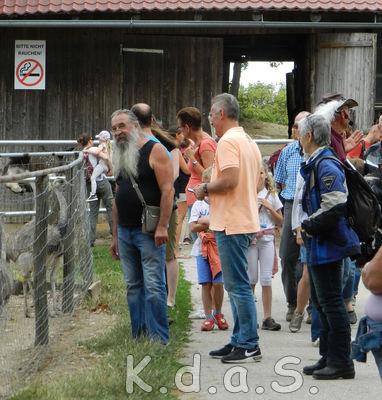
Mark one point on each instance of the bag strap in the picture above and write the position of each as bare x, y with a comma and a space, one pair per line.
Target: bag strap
362, 149
136, 188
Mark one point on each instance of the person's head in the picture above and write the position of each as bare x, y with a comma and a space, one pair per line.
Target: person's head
85, 140
206, 175
127, 135
358, 164
295, 132
265, 180
103, 136
374, 135
144, 114
337, 112
224, 110
315, 132
189, 120
175, 133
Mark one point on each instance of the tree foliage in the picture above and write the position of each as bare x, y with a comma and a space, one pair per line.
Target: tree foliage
264, 102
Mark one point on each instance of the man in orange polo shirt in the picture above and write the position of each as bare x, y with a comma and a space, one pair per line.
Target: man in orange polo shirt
234, 220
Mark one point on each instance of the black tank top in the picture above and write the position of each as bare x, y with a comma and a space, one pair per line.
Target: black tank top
128, 204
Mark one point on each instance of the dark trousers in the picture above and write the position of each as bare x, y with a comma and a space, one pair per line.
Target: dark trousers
289, 254
326, 293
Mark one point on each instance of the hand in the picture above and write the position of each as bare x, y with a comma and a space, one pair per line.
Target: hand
275, 269
160, 235
114, 249
264, 203
299, 240
190, 154
199, 192
353, 141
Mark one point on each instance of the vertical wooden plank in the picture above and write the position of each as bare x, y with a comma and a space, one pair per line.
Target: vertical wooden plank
39, 255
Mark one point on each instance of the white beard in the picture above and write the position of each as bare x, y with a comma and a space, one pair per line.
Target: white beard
125, 156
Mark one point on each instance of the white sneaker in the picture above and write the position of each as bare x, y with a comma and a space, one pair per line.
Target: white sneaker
316, 343
198, 314
92, 197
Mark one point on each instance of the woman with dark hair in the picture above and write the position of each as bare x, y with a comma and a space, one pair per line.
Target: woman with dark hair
201, 155
180, 184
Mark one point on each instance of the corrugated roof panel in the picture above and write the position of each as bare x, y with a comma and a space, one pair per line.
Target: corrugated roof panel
21, 7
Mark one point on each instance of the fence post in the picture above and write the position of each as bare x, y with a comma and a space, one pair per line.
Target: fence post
39, 256
68, 273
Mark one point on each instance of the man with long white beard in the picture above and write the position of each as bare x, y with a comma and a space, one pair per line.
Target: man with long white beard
142, 256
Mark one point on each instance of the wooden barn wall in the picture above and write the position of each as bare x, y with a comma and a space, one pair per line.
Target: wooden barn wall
85, 74
346, 63
188, 73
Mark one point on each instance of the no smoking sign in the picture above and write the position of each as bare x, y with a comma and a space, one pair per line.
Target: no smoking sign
29, 72
30, 64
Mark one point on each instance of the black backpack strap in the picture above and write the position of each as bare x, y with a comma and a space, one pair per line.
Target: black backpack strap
315, 170
362, 149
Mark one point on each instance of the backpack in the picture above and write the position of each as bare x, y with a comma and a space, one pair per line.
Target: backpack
273, 158
88, 168
362, 207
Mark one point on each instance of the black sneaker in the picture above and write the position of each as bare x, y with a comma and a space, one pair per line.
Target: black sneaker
270, 324
240, 355
222, 352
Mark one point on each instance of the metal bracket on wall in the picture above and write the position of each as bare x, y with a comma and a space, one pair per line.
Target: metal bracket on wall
135, 50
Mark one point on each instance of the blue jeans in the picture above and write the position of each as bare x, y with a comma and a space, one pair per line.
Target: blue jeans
326, 293
143, 270
377, 353
233, 250
348, 279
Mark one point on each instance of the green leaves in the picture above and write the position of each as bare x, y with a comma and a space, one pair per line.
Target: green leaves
264, 102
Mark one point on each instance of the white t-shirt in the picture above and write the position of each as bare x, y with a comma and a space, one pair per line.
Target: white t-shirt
265, 216
199, 209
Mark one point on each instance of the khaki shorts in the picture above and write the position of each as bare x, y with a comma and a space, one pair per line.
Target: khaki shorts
170, 245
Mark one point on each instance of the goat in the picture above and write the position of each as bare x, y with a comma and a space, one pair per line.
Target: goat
19, 247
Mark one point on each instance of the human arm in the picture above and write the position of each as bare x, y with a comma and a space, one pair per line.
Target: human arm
353, 141
277, 216
207, 157
202, 224
114, 244
228, 180
161, 164
372, 273
183, 164
175, 162
333, 198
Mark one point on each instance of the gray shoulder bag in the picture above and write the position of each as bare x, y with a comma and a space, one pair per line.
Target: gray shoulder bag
150, 214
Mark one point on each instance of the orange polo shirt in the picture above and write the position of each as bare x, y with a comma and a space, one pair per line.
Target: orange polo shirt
236, 211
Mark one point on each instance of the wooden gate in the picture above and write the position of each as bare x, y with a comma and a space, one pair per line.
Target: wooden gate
346, 63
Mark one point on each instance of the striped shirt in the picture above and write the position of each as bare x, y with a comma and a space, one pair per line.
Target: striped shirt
287, 168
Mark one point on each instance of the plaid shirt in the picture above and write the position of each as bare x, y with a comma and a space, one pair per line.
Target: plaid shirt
287, 168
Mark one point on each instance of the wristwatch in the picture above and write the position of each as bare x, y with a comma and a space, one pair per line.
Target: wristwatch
205, 188
194, 163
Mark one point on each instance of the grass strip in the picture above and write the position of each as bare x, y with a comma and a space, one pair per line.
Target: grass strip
107, 380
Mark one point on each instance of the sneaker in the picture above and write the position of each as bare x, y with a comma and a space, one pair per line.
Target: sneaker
316, 342
290, 312
309, 317
187, 240
240, 355
224, 351
352, 317
207, 325
198, 314
270, 324
92, 197
295, 323
221, 321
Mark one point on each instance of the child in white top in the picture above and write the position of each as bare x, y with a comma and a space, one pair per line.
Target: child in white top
103, 153
263, 247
